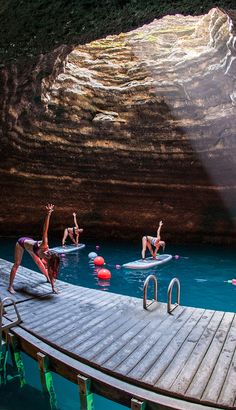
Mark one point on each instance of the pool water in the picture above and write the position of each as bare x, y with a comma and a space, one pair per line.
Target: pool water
203, 272
12, 397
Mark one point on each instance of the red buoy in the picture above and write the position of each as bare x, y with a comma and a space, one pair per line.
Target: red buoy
98, 261
104, 274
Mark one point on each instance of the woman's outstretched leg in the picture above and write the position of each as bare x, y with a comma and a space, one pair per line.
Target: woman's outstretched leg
64, 236
17, 261
144, 246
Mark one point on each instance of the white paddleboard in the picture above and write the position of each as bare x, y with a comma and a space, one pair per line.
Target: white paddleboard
67, 248
148, 262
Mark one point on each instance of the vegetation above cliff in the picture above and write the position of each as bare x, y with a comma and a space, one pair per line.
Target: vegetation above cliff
28, 27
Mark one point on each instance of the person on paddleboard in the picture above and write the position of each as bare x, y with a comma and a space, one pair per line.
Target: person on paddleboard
153, 243
73, 233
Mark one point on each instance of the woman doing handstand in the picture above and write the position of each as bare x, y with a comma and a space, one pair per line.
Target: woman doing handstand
47, 261
73, 233
153, 243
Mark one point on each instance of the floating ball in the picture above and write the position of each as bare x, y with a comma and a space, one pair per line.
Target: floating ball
99, 261
97, 247
92, 255
104, 274
177, 256
233, 281
118, 266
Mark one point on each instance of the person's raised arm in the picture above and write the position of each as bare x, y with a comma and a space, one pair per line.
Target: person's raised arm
159, 230
75, 220
49, 209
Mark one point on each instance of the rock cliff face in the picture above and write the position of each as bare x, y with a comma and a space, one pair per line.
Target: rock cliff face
126, 131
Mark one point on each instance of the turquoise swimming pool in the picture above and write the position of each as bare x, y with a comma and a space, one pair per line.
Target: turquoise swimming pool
203, 272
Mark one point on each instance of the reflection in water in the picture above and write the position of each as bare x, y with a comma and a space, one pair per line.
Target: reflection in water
64, 260
103, 284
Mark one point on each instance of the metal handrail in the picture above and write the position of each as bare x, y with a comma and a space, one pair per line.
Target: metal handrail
16, 322
145, 286
169, 295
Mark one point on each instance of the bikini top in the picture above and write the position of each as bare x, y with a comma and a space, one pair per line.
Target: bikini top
36, 244
36, 247
155, 241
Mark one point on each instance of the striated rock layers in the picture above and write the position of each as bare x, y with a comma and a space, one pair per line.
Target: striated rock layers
126, 131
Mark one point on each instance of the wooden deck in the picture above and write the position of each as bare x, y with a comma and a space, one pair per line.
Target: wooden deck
189, 354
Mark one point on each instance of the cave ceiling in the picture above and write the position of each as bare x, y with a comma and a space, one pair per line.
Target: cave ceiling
126, 128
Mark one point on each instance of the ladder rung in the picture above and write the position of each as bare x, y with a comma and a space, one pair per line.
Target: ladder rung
3, 343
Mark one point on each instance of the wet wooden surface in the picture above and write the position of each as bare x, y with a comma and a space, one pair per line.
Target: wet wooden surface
189, 354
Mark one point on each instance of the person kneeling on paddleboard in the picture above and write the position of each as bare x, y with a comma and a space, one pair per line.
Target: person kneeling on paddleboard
73, 233
153, 243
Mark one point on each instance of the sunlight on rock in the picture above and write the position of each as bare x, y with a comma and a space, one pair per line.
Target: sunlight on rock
153, 106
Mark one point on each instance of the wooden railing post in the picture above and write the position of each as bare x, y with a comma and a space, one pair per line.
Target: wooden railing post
137, 404
3, 362
16, 359
86, 395
46, 380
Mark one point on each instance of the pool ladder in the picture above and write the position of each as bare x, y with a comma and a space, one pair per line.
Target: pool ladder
170, 306
9, 339
11, 324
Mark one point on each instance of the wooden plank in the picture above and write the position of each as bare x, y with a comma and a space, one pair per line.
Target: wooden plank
25, 276
200, 380
124, 358
80, 311
30, 283
80, 323
145, 362
4, 282
118, 349
228, 392
53, 313
34, 307
182, 355
88, 327
184, 378
97, 315
103, 384
81, 333
174, 353
164, 353
102, 344
218, 377
144, 348
34, 312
